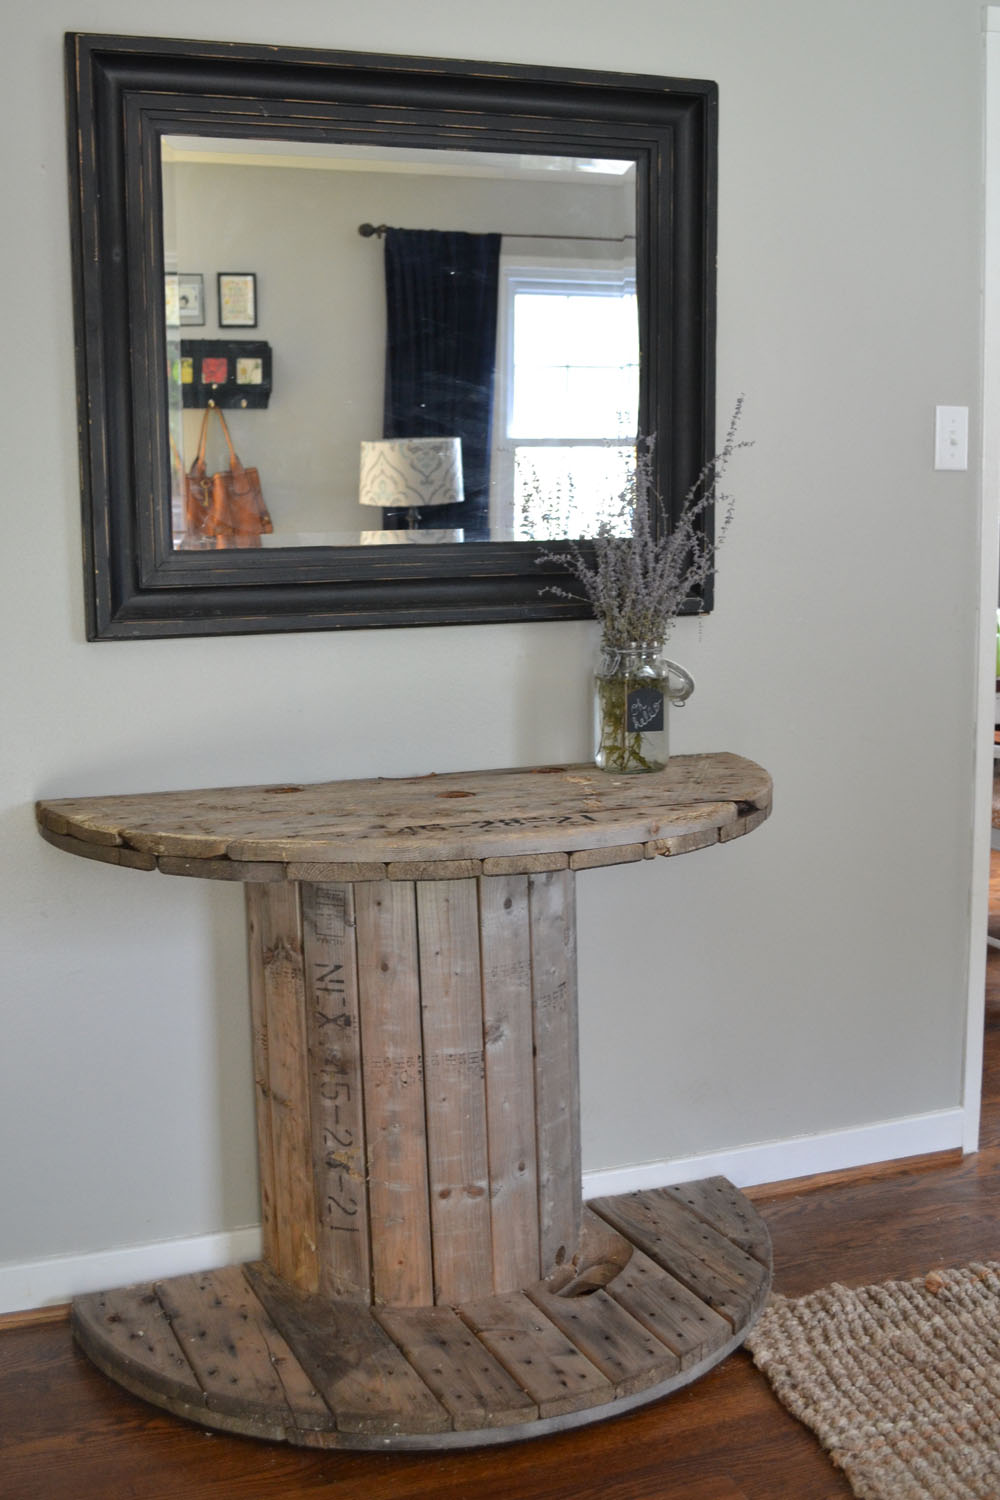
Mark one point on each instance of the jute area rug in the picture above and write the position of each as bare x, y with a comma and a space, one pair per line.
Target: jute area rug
900, 1382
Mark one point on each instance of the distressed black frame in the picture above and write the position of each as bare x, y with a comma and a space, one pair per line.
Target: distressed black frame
125, 93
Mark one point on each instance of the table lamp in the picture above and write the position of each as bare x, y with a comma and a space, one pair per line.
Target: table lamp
411, 474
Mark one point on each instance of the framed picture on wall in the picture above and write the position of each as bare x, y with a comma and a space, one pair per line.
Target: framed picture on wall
191, 297
171, 300
237, 299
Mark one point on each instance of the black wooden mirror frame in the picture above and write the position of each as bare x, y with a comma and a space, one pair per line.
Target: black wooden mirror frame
125, 93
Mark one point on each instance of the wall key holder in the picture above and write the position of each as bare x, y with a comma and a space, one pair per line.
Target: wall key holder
229, 373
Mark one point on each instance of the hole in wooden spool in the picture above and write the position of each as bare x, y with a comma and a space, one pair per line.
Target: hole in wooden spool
593, 1268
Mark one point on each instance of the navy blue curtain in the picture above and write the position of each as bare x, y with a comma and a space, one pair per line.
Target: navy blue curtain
441, 298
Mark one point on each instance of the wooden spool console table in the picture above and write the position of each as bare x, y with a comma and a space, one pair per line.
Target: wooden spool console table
430, 1274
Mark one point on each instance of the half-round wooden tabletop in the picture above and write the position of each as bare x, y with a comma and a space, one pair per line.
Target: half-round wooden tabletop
420, 828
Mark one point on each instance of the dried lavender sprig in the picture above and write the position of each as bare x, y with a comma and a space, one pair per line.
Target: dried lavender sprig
639, 582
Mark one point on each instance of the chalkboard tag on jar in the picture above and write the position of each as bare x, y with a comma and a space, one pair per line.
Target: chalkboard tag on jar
645, 710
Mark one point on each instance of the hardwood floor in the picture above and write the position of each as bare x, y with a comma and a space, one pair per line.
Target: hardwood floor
67, 1433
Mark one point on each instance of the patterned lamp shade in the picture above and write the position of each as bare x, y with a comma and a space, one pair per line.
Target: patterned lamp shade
411, 472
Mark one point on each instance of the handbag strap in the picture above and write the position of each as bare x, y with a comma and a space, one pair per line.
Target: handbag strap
199, 458
234, 462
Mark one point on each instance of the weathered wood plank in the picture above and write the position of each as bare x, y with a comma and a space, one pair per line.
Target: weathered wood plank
622, 1349
434, 869
104, 853
654, 1234
332, 872
524, 864
51, 821
337, 1090
242, 1362
129, 1335
392, 1048
187, 842
518, 817
455, 1089
683, 843
473, 1386
62, 825
742, 826
507, 831
219, 869
671, 1217
283, 986
510, 1083
724, 1207
366, 1382
675, 1315
552, 911
255, 916
621, 854
537, 1355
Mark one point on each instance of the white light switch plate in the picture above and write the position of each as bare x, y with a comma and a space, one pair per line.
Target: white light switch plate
951, 437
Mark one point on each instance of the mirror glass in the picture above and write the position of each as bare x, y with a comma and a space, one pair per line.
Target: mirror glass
307, 249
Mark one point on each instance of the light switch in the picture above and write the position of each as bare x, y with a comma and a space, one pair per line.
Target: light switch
951, 437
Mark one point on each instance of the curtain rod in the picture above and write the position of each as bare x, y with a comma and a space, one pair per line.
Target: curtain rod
378, 230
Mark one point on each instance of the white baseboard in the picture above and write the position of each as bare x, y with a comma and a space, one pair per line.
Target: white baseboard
59, 1278
43, 1283
802, 1156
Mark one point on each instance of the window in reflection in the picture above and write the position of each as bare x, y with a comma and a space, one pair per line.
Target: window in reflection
568, 407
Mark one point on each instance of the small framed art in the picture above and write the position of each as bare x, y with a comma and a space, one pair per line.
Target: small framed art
171, 300
237, 299
191, 297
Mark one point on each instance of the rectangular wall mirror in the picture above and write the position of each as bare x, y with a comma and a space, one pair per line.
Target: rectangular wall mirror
432, 304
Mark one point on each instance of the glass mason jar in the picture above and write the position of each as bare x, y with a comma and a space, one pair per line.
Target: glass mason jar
633, 692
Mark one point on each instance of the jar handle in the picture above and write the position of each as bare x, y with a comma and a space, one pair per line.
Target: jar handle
678, 695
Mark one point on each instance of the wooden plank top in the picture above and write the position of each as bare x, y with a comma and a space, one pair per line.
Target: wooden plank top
420, 828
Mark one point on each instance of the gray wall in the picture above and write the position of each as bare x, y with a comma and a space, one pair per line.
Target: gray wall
805, 981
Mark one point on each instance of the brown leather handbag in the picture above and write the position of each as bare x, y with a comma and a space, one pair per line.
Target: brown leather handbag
228, 507
196, 490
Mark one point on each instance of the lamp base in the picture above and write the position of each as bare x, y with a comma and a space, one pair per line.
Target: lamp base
394, 538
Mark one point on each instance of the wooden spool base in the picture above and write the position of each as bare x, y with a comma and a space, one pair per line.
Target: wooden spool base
431, 1277
667, 1284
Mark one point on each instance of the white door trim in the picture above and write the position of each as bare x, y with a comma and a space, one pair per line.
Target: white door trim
989, 582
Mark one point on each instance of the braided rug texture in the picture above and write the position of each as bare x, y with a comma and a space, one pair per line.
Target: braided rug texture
900, 1382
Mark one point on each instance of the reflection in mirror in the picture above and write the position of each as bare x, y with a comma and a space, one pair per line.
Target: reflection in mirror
521, 267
